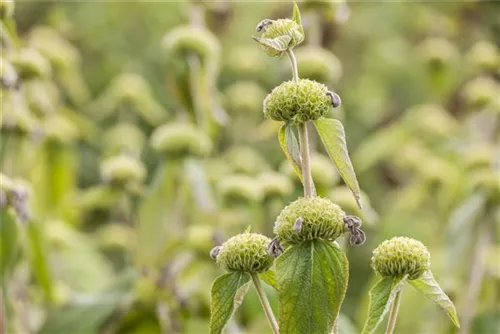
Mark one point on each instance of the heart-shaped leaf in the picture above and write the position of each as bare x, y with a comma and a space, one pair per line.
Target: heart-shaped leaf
331, 132
381, 297
312, 279
227, 295
290, 147
428, 286
269, 277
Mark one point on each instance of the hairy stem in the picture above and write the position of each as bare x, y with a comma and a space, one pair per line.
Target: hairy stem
265, 304
293, 62
393, 315
306, 160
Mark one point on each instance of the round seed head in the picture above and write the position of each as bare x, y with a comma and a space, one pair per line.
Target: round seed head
318, 64
59, 128
310, 219
275, 184
192, 39
245, 160
438, 51
484, 56
246, 252
122, 170
180, 140
245, 97
124, 137
481, 92
297, 102
401, 256
240, 189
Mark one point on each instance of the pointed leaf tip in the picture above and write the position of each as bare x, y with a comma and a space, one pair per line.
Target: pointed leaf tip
331, 132
428, 286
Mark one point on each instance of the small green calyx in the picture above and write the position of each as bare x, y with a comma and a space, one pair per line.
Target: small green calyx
310, 219
298, 102
401, 256
246, 252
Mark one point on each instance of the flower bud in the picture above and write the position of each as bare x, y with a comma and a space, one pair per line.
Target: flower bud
122, 170
318, 64
275, 184
287, 32
484, 56
401, 256
180, 140
192, 39
246, 252
240, 188
310, 219
297, 102
6, 9
481, 92
31, 64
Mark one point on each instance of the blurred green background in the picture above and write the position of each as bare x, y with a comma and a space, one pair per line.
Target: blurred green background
133, 141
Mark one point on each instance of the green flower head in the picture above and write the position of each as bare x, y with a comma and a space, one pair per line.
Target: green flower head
192, 39
246, 252
240, 189
280, 35
401, 256
180, 140
298, 102
310, 219
122, 170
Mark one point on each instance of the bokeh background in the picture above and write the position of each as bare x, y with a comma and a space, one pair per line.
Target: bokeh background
133, 141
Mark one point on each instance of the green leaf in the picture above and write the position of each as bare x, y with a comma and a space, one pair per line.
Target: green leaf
227, 295
290, 147
9, 242
381, 297
269, 277
274, 46
331, 132
427, 285
312, 279
296, 17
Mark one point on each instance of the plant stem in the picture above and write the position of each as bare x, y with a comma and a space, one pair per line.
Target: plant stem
476, 276
265, 304
293, 62
306, 161
393, 315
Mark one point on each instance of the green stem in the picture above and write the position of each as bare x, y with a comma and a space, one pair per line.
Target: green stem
265, 303
306, 160
393, 315
293, 62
